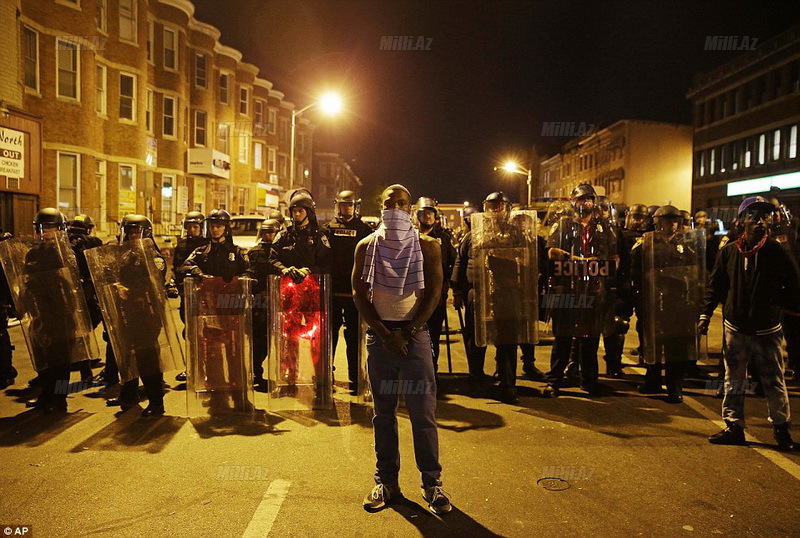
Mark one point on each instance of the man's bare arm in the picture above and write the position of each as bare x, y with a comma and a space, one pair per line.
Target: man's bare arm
361, 293
432, 269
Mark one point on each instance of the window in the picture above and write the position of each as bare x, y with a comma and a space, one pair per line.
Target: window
102, 96
258, 156
170, 49
748, 152
169, 116
284, 135
776, 144
793, 142
100, 15
186, 124
244, 147
723, 157
258, 112
167, 190
200, 128
127, 97
244, 101
151, 39
301, 143
702, 164
200, 71
31, 55
762, 148
68, 69
68, 182
223, 88
712, 161
273, 120
735, 154
243, 192
272, 160
738, 100
127, 20
282, 161
148, 112
127, 189
223, 137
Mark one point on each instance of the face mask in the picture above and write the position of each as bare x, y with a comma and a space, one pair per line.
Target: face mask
396, 215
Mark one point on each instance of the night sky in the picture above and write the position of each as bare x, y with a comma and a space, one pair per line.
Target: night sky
438, 120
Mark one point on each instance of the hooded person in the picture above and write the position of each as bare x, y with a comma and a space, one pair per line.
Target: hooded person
756, 279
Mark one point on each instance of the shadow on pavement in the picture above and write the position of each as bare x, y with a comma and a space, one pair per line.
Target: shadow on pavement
130, 432
454, 523
208, 427
34, 428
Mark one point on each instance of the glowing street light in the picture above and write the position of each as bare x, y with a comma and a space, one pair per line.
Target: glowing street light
331, 104
514, 168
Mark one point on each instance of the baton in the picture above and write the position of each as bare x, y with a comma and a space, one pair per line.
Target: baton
447, 340
463, 333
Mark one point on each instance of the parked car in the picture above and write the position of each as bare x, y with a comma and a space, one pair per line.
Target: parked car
245, 229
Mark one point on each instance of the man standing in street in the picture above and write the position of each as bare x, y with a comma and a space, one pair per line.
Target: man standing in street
397, 281
756, 278
344, 232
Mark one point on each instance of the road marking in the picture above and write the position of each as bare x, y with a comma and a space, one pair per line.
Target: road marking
775, 457
267, 510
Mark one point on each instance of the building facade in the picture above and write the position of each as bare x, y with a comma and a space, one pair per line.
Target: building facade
746, 116
633, 161
144, 110
332, 175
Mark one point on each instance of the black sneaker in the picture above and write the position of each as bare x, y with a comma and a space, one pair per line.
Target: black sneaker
437, 500
530, 371
551, 391
646, 388
733, 434
181, 377
381, 496
783, 437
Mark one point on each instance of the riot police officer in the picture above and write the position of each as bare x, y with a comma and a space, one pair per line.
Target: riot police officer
637, 221
7, 371
79, 232
221, 258
301, 250
427, 216
192, 238
343, 233
262, 269
132, 272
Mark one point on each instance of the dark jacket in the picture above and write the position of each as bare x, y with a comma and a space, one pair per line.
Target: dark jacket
184, 248
343, 238
753, 297
217, 259
261, 266
301, 247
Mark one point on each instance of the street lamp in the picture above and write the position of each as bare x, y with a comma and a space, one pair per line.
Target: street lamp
514, 168
330, 104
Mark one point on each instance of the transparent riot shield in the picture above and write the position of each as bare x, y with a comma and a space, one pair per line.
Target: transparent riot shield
673, 289
555, 212
299, 366
45, 284
219, 377
582, 263
506, 300
136, 314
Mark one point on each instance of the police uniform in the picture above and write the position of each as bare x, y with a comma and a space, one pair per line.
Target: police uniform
343, 237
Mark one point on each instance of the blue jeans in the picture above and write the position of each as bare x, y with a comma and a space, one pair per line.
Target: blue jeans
765, 354
413, 376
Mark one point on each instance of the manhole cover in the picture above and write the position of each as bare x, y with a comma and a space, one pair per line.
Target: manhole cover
551, 483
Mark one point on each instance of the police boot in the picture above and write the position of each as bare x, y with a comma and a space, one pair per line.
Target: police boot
733, 434
783, 437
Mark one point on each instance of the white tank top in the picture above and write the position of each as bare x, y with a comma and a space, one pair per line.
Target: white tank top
393, 307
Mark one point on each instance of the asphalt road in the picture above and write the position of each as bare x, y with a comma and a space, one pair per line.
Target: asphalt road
628, 464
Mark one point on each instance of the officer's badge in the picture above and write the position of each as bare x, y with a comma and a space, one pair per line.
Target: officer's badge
231, 257
680, 249
324, 240
160, 264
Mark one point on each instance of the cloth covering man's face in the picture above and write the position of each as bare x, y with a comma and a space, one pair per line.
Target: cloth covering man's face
396, 199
